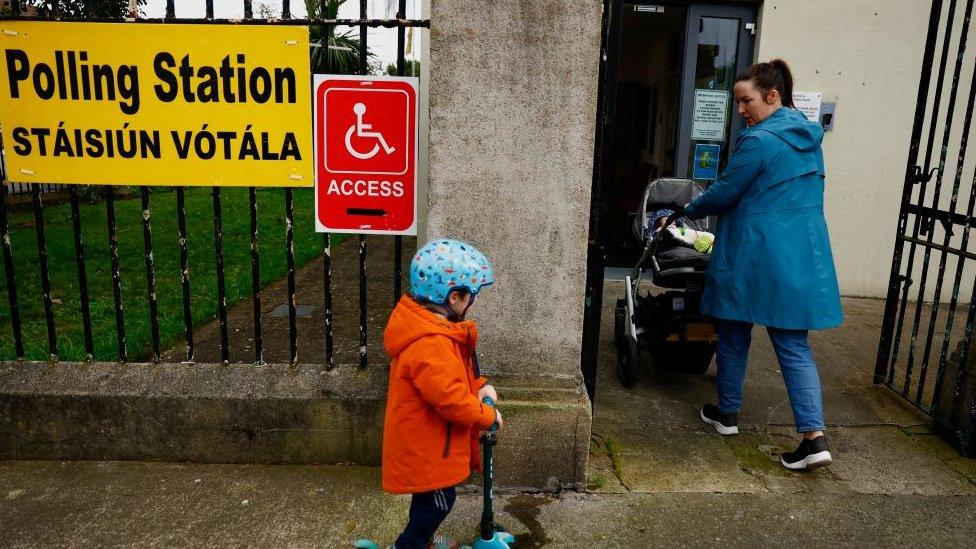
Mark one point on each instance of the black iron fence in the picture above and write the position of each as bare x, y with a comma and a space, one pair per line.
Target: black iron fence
147, 199
15, 189
923, 355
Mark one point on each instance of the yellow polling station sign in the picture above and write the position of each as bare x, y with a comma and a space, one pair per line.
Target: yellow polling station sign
156, 104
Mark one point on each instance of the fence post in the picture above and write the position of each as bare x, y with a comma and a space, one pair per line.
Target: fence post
52, 340
113, 250
150, 273
364, 68
82, 275
8, 265
221, 288
184, 272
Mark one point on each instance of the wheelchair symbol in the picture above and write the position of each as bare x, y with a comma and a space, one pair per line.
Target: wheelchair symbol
361, 130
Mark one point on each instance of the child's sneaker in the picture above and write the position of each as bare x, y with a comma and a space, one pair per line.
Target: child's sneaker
725, 424
440, 541
810, 454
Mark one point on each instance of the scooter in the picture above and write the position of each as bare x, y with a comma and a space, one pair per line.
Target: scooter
490, 535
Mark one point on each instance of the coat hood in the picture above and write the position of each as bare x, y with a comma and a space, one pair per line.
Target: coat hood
793, 128
411, 321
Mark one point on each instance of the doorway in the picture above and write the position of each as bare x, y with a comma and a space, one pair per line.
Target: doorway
670, 103
657, 58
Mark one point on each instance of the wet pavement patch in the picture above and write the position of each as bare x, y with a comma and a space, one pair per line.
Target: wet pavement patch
526, 509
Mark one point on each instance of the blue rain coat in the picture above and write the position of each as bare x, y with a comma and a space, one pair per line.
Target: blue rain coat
772, 263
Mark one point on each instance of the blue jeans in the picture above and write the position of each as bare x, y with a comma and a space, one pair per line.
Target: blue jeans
795, 361
427, 511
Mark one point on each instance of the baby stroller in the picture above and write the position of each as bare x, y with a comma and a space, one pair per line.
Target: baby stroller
666, 322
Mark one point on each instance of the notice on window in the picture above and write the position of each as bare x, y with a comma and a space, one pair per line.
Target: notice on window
710, 116
809, 104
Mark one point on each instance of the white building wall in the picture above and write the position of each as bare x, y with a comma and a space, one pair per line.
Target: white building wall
866, 56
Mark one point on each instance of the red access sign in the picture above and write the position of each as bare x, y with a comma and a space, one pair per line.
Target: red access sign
366, 154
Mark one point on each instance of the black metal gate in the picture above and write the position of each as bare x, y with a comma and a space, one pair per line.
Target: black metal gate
50, 343
923, 355
603, 141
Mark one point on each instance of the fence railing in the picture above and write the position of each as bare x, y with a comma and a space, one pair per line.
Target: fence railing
15, 189
148, 200
923, 354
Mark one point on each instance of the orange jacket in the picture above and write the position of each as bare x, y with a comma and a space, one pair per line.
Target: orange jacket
433, 414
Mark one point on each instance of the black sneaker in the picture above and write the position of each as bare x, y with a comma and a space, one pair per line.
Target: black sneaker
810, 454
725, 424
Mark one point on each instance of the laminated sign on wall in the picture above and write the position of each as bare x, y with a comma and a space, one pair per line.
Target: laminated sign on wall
809, 104
149, 104
710, 115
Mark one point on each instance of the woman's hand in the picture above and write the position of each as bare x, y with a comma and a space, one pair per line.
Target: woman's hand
676, 215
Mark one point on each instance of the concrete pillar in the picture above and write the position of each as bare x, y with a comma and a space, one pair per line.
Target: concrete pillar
512, 113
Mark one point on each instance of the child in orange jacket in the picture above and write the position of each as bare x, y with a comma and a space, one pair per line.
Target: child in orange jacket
434, 409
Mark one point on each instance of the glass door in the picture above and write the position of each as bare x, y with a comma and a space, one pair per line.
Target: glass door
718, 46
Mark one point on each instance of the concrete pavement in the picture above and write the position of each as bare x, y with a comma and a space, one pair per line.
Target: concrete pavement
656, 477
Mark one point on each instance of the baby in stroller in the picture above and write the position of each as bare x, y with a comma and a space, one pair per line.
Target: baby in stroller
666, 321
683, 243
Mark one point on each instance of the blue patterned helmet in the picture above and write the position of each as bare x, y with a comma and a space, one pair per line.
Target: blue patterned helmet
442, 266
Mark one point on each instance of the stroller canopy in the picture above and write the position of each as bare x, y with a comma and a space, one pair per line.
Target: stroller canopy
666, 193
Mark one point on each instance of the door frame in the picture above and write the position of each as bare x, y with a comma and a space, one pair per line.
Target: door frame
602, 168
602, 165
746, 14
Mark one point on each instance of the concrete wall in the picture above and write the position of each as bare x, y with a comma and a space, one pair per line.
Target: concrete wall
274, 413
512, 119
865, 56
512, 114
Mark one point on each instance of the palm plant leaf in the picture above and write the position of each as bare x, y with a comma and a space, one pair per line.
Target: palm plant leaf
341, 50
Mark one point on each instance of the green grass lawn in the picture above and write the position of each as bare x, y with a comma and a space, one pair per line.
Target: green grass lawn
200, 244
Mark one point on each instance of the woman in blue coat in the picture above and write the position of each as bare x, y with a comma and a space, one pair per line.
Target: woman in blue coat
772, 263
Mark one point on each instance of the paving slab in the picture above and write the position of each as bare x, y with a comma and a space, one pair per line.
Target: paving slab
137, 504
172, 504
881, 443
886, 460
845, 357
751, 520
680, 461
602, 474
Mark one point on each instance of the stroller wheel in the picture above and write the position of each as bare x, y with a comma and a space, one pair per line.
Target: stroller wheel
619, 317
628, 360
686, 358
628, 352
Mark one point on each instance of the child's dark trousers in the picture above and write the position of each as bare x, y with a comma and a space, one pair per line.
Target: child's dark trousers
427, 511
